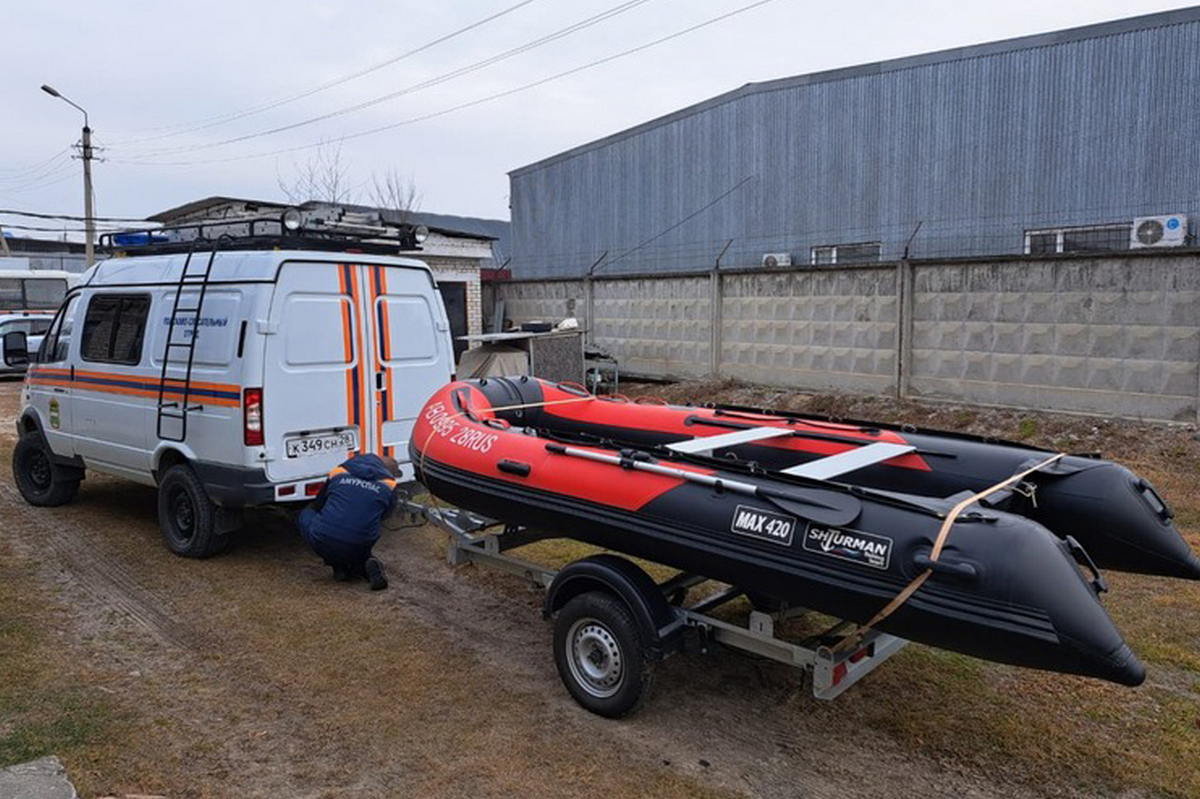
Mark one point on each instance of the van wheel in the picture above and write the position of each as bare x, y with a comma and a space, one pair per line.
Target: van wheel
40, 482
599, 655
187, 517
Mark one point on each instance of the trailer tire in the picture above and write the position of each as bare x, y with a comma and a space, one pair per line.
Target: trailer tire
40, 481
599, 654
186, 515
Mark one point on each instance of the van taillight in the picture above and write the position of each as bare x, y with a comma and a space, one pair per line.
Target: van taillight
252, 417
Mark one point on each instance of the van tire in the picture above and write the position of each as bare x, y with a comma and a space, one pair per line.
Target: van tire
186, 515
39, 480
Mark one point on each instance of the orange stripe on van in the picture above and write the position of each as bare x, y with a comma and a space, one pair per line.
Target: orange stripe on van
359, 397
136, 386
232, 388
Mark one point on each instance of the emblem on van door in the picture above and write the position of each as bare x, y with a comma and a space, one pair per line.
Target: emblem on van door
55, 416
774, 527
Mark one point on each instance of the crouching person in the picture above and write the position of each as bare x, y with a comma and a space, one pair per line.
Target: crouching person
342, 523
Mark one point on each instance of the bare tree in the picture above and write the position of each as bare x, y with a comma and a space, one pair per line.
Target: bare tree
391, 191
324, 177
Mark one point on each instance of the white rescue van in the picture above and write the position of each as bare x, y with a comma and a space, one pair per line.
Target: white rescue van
229, 376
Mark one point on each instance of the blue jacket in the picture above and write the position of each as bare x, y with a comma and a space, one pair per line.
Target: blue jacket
354, 500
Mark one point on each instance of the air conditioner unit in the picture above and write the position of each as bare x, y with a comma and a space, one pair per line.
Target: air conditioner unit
777, 259
1158, 231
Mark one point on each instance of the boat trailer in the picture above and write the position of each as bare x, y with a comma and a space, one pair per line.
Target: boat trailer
613, 621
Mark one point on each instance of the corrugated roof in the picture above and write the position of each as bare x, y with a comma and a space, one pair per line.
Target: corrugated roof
1095, 31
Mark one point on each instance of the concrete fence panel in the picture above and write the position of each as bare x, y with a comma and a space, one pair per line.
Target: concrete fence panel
1116, 335
833, 330
1098, 335
544, 300
658, 327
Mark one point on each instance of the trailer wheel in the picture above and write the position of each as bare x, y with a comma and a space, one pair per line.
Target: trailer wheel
187, 517
40, 482
599, 655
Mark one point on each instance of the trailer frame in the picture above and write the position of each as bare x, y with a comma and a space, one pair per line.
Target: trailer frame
833, 668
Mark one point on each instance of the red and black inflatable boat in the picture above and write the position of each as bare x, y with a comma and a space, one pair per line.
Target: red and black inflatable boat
1118, 517
643, 480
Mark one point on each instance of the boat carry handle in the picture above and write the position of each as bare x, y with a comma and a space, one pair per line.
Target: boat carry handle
1157, 504
509, 466
963, 571
1084, 559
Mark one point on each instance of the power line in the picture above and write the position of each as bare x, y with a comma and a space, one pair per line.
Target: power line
230, 117
34, 186
46, 170
67, 217
459, 107
678, 224
18, 170
435, 81
103, 228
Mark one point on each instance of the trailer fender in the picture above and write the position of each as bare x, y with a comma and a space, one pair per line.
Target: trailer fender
660, 624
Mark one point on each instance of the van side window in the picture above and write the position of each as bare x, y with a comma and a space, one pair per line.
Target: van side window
114, 327
57, 343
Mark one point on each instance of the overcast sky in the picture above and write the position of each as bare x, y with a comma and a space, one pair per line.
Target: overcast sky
167, 85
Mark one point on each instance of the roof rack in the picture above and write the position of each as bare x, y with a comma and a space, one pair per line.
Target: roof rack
322, 228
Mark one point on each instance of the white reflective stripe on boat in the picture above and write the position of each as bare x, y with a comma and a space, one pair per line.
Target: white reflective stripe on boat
694, 446
834, 465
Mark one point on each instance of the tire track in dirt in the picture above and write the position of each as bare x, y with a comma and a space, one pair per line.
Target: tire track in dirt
101, 576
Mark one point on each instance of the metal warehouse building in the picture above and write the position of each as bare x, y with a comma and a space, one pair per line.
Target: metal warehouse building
1059, 142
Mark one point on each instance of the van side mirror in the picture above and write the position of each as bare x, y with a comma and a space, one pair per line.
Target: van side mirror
16, 349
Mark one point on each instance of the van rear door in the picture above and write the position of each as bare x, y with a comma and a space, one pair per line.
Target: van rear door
412, 355
353, 352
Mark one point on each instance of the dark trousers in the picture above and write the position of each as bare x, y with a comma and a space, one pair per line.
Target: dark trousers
337, 554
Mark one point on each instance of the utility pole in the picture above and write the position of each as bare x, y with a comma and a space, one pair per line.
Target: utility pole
89, 221
86, 150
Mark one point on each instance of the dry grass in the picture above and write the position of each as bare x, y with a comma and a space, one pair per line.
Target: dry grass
48, 704
1042, 728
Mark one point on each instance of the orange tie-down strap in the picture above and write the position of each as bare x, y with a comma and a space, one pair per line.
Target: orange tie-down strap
854, 638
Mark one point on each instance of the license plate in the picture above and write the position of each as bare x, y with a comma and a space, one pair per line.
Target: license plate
308, 446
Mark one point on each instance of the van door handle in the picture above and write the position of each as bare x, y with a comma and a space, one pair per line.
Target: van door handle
379, 381
58, 390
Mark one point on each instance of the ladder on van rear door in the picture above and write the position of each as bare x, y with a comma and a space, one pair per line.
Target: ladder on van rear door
179, 353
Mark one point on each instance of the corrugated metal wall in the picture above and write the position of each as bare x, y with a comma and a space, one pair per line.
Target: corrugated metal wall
978, 149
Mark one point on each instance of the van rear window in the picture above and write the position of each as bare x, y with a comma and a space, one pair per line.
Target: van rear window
411, 332
114, 327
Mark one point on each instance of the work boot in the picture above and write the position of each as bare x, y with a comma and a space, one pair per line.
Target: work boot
375, 575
